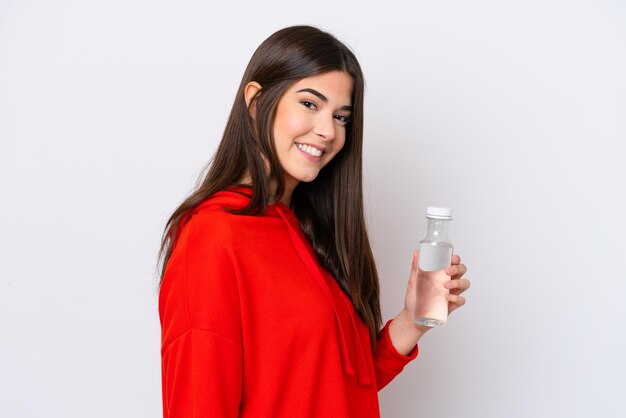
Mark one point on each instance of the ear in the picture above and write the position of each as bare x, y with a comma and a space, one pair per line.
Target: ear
251, 90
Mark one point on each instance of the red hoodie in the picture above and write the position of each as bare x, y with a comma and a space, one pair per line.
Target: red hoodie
253, 326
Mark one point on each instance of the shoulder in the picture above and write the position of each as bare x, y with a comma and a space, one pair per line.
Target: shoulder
208, 227
200, 288
213, 222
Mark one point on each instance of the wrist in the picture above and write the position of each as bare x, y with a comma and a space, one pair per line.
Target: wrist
404, 333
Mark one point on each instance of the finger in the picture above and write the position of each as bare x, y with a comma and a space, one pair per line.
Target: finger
455, 302
455, 299
456, 270
457, 286
456, 259
414, 263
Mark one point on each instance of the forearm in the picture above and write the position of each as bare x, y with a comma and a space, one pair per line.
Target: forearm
404, 334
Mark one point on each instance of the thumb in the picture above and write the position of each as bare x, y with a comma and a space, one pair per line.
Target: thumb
414, 267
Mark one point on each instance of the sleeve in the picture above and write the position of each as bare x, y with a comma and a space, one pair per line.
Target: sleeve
201, 376
201, 347
387, 361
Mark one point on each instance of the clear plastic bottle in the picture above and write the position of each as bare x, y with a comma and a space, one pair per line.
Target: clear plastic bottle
435, 255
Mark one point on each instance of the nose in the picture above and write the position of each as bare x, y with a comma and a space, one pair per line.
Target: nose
325, 127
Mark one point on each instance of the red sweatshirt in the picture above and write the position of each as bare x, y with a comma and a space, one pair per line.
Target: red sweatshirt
253, 326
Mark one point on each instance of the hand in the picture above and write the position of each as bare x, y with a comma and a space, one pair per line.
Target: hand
403, 331
456, 285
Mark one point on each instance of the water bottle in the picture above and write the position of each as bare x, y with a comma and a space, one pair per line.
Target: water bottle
435, 255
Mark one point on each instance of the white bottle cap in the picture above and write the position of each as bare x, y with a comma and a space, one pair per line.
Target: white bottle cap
434, 212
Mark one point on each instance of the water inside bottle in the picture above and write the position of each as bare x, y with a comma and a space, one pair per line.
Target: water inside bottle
432, 305
434, 256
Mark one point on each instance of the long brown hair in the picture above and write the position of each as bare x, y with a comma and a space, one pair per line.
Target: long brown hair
330, 208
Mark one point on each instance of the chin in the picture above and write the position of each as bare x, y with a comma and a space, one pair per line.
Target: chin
302, 174
307, 178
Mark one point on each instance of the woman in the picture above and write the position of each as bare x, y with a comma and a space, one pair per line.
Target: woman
269, 299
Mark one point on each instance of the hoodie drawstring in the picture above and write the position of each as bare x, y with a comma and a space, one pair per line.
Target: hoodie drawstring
311, 265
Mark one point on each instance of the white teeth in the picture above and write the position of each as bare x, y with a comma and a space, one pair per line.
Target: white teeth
310, 150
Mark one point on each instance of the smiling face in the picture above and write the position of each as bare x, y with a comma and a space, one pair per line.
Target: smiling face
310, 125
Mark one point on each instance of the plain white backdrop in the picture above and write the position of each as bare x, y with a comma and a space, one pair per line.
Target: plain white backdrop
511, 112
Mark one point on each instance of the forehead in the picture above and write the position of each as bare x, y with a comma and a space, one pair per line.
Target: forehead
335, 85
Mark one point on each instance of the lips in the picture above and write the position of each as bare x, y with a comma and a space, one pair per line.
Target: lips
310, 150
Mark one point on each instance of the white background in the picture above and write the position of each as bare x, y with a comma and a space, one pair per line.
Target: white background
511, 112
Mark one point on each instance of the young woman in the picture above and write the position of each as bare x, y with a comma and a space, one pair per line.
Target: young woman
269, 299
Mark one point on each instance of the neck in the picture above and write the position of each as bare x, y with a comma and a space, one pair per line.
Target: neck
290, 185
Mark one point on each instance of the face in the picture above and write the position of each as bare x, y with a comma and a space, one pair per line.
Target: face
311, 123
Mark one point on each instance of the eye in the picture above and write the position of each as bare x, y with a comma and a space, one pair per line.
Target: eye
309, 104
343, 119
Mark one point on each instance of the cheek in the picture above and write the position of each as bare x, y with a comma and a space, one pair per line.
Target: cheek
338, 144
297, 124
341, 141
289, 124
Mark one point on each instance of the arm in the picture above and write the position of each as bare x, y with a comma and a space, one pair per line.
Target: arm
397, 341
201, 327
404, 333
388, 361
201, 376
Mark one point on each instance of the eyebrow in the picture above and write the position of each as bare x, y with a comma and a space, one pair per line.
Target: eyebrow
321, 97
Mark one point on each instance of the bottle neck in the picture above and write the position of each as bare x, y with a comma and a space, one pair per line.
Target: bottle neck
437, 230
